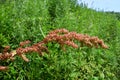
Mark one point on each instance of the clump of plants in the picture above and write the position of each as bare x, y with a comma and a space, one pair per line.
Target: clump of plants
60, 36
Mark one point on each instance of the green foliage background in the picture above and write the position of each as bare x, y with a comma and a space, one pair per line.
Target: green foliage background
32, 19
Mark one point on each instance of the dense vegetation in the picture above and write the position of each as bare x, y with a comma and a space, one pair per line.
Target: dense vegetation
32, 19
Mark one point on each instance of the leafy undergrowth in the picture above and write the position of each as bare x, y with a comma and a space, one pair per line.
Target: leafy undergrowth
82, 63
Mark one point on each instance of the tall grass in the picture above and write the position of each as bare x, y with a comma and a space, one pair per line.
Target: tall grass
32, 19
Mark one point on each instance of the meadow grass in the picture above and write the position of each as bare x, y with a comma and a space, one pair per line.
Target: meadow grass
32, 19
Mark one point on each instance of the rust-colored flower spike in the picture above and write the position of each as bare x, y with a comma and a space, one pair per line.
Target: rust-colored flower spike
24, 43
3, 68
5, 56
64, 31
61, 36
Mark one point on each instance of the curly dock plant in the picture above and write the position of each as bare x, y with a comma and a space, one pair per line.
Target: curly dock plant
60, 36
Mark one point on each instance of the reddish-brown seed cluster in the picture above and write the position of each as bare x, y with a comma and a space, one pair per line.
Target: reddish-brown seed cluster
5, 56
38, 47
24, 43
3, 68
61, 36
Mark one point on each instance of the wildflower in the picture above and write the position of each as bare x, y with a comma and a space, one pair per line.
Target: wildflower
60, 36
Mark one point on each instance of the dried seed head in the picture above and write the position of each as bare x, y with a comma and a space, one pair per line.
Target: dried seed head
24, 43
61, 36
3, 68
